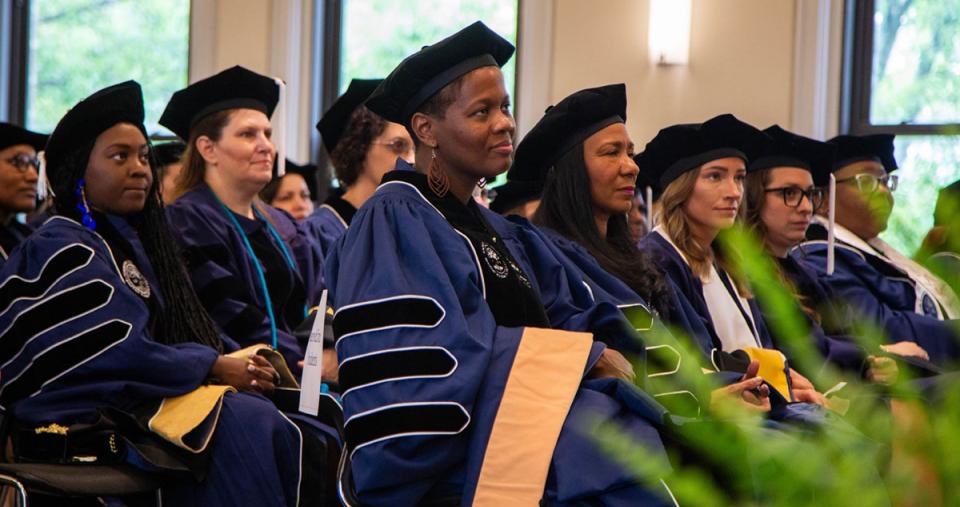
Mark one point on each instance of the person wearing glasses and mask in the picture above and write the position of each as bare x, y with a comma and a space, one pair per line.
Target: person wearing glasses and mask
363, 147
18, 183
784, 189
906, 300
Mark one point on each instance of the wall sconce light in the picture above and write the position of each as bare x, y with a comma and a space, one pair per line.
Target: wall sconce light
669, 32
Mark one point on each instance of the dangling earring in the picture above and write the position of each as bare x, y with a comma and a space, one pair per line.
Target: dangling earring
436, 177
482, 183
84, 207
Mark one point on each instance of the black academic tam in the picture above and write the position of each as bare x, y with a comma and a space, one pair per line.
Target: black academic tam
234, 88
878, 147
424, 73
120, 103
336, 119
565, 126
681, 148
12, 135
786, 149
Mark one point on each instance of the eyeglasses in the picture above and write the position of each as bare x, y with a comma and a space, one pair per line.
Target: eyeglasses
793, 196
397, 146
868, 183
22, 162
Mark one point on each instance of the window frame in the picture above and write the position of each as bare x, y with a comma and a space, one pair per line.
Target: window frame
325, 75
328, 23
15, 60
14, 51
858, 80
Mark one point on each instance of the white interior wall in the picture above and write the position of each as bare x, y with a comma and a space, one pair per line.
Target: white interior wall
766, 61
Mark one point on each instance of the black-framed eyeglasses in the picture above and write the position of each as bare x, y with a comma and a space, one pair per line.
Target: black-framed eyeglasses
22, 162
793, 196
398, 146
868, 183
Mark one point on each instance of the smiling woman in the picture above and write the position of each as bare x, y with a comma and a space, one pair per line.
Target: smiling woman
468, 130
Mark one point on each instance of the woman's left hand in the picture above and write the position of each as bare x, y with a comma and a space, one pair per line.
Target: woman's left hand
612, 364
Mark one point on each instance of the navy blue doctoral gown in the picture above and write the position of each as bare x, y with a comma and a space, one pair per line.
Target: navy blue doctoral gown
329, 221
11, 235
226, 278
664, 355
691, 288
878, 290
75, 329
428, 368
829, 335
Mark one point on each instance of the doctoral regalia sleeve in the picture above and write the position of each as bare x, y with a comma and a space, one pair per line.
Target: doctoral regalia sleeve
888, 302
75, 336
306, 251
689, 312
667, 364
835, 347
324, 228
421, 356
565, 295
224, 280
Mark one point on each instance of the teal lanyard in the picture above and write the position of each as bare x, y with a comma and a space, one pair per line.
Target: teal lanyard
276, 236
256, 262
283, 247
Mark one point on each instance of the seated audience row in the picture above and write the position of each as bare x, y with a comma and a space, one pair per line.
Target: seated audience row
168, 299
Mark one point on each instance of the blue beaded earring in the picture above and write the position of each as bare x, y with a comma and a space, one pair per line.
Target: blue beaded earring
84, 208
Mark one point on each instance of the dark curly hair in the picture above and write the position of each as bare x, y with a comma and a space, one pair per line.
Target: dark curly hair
566, 207
351, 150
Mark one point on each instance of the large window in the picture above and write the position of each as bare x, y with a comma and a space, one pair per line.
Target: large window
378, 34
368, 38
78, 46
904, 78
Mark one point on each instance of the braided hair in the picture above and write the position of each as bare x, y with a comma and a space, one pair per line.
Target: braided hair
184, 318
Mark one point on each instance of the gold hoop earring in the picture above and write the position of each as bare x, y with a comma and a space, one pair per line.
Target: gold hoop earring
437, 177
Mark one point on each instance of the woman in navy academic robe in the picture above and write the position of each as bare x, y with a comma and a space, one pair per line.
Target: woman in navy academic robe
362, 148
784, 189
700, 169
100, 326
458, 383
903, 298
18, 183
580, 155
255, 270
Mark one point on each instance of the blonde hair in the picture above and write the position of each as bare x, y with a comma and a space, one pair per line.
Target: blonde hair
673, 217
